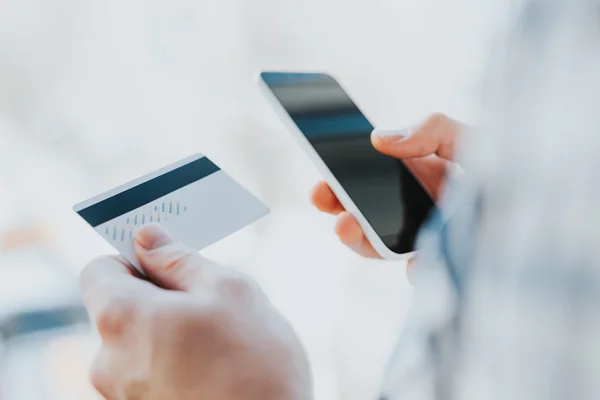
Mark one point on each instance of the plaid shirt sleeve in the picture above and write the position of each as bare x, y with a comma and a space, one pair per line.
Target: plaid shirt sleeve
507, 299
422, 366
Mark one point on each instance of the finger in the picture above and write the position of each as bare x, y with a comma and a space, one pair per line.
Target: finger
410, 267
437, 136
431, 172
325, 200
167, 262
411, 264
106, 279
351, 234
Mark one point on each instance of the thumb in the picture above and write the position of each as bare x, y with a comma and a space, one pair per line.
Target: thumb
168, 263
437, 136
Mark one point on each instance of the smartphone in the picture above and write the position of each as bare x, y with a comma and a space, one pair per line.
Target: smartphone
389, 203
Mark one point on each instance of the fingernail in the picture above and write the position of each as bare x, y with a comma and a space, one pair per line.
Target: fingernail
152, 237
390, 135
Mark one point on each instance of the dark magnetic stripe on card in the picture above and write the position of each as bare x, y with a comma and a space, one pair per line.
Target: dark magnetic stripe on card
147, 192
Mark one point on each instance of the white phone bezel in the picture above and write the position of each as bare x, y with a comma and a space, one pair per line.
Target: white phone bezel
331, 180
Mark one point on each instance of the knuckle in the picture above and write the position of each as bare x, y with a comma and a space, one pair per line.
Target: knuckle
116, 315
438, 118
236, 286
432, 124
176, 258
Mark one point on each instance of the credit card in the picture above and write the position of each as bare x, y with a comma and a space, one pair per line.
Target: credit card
196, 201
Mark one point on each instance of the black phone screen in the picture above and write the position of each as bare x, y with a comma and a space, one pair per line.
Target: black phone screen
383, 189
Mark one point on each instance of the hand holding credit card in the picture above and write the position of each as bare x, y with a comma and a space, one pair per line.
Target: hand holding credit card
194, 199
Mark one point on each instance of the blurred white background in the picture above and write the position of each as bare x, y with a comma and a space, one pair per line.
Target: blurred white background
95, 93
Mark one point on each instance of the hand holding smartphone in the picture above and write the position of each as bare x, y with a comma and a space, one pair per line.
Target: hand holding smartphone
384, 198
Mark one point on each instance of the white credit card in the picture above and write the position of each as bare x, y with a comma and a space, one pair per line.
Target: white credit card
197, 202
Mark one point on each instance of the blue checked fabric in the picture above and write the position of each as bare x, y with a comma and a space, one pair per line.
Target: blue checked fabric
507, 302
